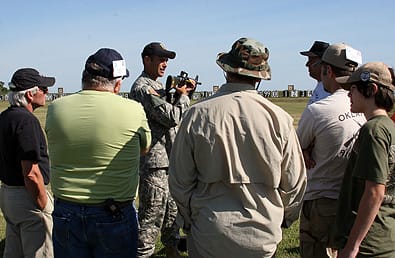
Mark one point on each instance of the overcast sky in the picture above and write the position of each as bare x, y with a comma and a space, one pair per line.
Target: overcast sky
56, 37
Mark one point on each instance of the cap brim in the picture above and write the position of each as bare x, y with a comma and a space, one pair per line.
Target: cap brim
127, 74
345, 82
171, 55
162, 53
308, 53
46, 81
167, 53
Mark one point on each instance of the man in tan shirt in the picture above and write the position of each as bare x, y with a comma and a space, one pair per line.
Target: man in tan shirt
236, 168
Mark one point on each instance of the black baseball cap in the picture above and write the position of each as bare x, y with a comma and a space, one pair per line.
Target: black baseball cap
107, 63
27, 78
317, 49
157, 49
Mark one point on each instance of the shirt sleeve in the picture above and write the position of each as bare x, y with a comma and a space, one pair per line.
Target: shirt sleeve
182, 174
158, 109
293, 179
28, 140
145, 133
305, 129
164, 113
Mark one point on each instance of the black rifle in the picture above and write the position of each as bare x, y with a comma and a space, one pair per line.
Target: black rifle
179, 81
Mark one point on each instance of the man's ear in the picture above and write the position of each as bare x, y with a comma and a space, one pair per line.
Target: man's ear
117, 87
29, 96
375, 89
329, 71
146, 60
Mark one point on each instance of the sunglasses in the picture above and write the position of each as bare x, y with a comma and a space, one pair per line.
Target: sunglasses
44, 89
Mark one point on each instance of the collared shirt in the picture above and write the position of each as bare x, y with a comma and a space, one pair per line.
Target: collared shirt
236, 165
318, 93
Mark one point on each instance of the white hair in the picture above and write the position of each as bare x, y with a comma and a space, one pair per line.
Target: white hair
97, 82
18, 98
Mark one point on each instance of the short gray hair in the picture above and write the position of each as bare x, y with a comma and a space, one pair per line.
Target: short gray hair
18, 98
90, 81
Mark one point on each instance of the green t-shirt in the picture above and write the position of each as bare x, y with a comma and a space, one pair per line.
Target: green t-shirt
372, 159
94, 142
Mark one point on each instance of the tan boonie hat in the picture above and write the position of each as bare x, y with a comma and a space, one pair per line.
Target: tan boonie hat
342, 56
376, 72
247, 57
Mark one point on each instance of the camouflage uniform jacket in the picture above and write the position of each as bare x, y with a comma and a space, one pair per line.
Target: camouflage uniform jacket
163, 119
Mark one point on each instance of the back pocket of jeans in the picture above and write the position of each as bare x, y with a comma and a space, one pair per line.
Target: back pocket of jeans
117, 235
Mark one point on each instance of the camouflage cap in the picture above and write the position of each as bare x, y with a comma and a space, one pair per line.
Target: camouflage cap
376, 72
247, 57
342, 56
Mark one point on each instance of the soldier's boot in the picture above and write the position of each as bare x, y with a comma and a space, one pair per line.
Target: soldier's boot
172, 252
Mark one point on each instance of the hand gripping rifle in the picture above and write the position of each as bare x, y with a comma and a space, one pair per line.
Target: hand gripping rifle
179, 81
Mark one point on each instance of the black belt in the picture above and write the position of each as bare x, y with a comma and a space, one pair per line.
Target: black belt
120, 204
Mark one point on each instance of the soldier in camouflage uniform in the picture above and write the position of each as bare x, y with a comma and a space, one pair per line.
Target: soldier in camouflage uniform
157, 209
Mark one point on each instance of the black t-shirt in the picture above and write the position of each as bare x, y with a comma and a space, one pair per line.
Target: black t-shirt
21, 138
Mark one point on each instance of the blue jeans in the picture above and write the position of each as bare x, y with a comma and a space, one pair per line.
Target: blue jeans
92, 231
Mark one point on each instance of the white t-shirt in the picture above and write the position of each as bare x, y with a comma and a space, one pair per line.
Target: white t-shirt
330, 126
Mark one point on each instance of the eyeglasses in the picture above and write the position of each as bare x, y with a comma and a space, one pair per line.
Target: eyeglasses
44, 89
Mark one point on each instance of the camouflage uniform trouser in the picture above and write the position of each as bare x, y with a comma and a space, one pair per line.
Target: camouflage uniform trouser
157, 212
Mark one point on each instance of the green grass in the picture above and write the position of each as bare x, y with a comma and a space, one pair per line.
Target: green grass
288, 247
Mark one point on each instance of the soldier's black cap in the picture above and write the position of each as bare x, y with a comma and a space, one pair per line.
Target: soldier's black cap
317, 49
157, 49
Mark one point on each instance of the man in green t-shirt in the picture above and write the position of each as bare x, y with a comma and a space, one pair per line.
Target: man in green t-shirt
365, 221
95, 139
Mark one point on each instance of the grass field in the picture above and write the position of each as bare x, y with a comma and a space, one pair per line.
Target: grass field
288, 248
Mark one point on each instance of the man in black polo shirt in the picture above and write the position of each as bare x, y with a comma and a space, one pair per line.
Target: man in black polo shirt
24, 168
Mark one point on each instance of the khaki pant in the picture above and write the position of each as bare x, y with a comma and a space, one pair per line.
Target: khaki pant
316, 220
28, 229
